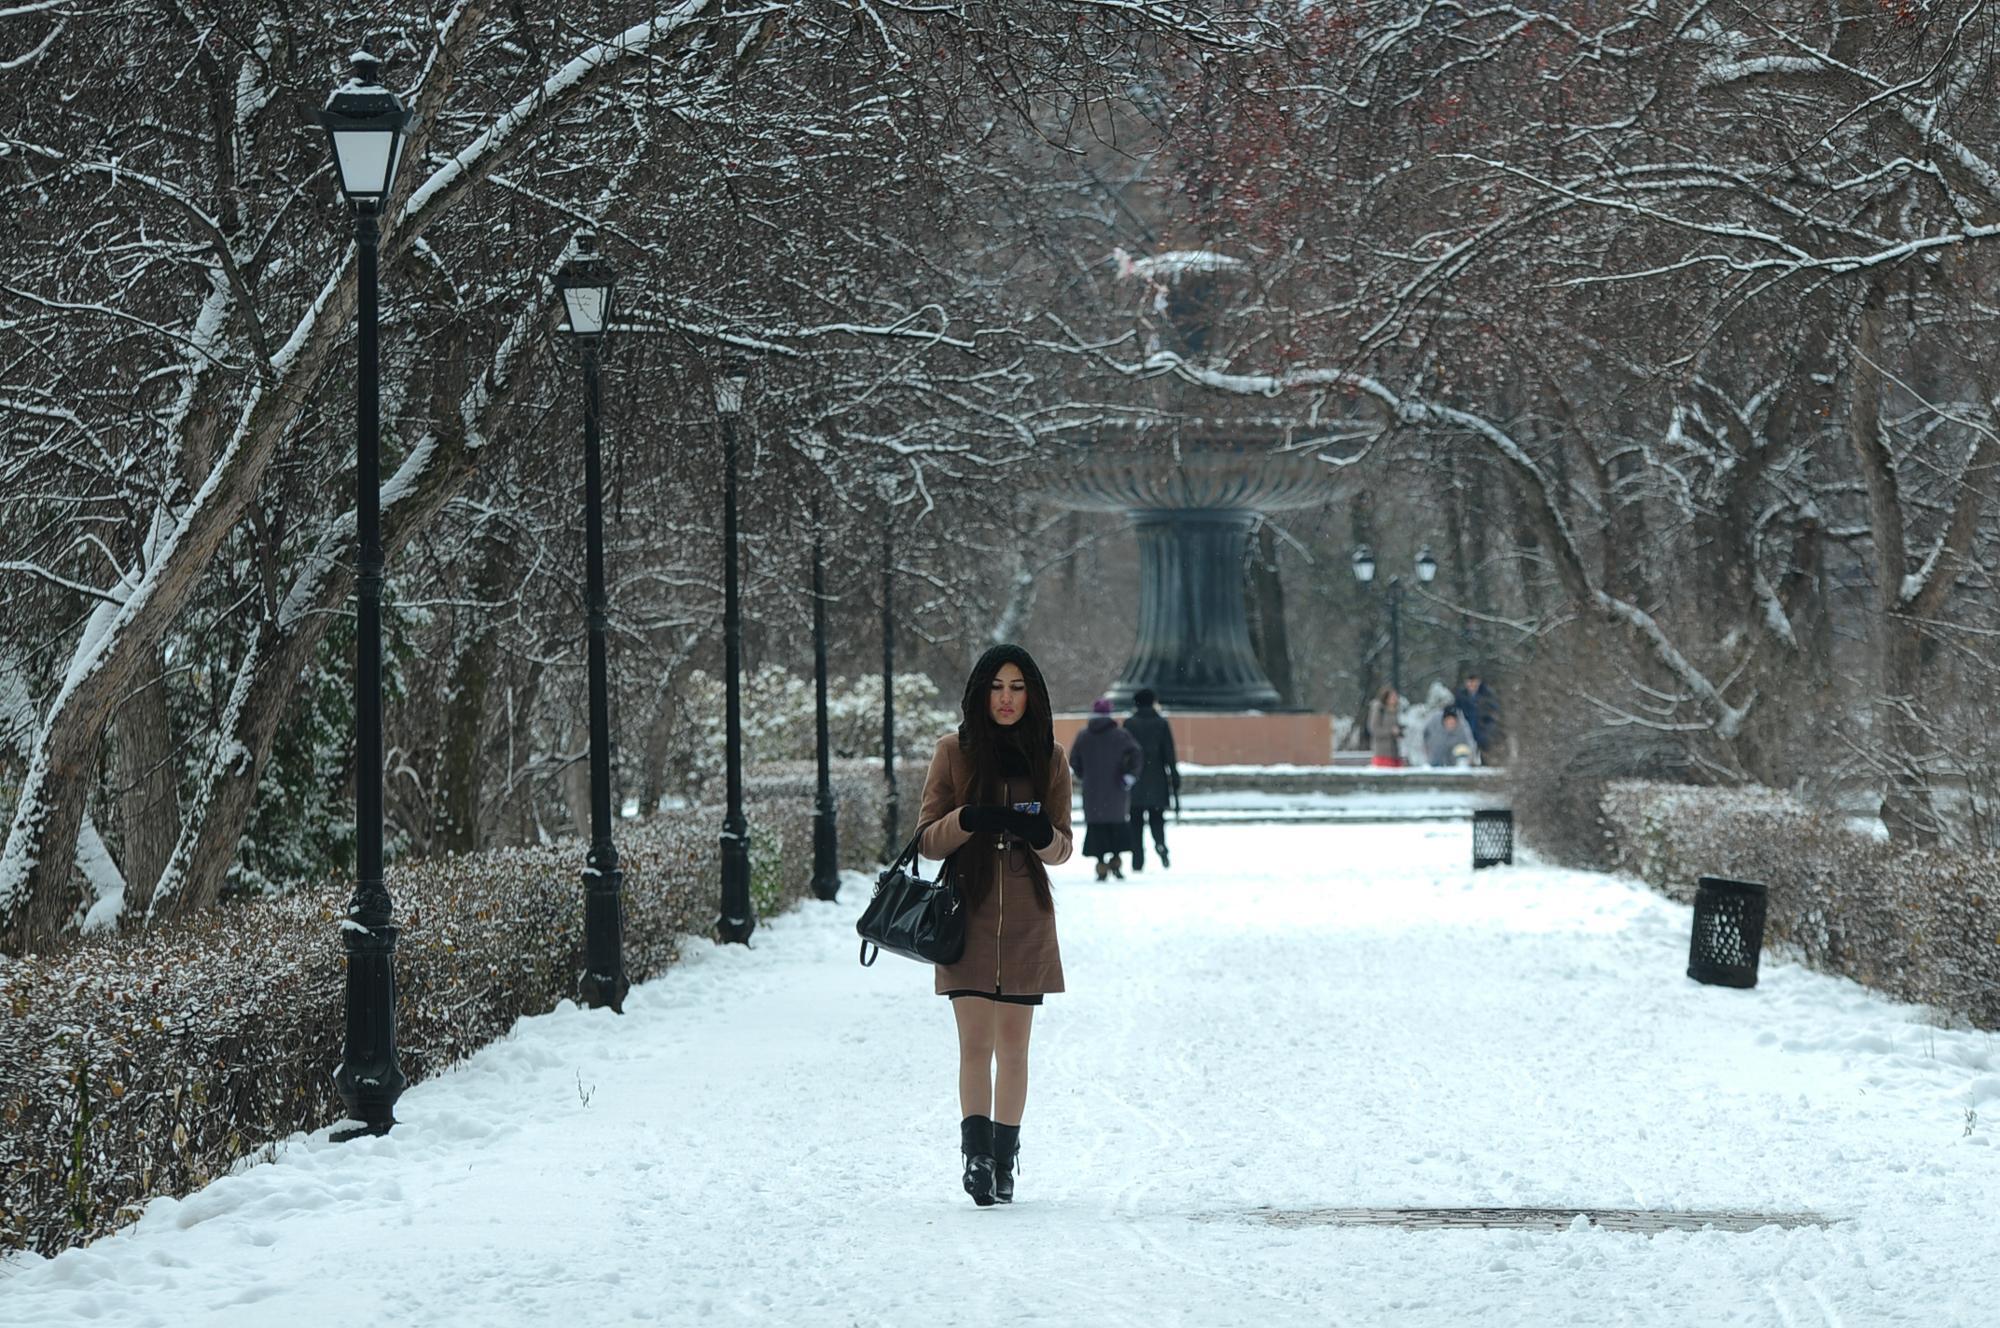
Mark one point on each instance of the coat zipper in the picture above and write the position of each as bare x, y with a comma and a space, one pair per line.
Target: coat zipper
1000, 918
1000, 885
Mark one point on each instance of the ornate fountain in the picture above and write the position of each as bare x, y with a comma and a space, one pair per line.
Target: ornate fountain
1193, 504
1193, 490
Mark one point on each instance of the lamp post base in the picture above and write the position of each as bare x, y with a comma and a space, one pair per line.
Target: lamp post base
892, 828
369, 1077
597, 990
826, 851
604, 982
738, 916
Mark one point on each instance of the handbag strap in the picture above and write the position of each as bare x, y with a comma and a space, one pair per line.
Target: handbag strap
909, 853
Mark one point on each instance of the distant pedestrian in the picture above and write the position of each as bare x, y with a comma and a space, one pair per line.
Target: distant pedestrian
996, 801
1447, 741
1385, 728
1159, 778
1107, 759
1479, 706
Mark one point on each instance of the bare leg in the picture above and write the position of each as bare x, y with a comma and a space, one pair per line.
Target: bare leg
975, 1054
1010, 1079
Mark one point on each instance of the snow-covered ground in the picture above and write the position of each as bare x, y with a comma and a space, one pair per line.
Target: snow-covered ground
1294, 1016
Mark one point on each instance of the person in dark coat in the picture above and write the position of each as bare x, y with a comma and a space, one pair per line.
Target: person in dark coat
1159, 777
996, 802
1479, 707
1107, 759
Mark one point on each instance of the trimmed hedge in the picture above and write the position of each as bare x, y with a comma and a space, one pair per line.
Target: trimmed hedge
145, 1065
1919, 926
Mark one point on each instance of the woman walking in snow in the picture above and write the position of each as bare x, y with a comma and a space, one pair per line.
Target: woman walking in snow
1107, 759
997, 796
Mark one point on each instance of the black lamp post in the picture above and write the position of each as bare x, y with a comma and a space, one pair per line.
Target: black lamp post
738, 916
586, 283
1364, 572
366, 125
826, 827
892, 816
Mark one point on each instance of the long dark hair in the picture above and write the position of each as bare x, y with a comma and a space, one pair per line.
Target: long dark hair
1026, 748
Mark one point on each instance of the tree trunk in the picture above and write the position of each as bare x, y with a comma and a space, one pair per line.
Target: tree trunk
659, 735
574, 783
1907, 809
461, 765
519, 800
1012, 619
206, 848
149, 805
1459, 569
271, 671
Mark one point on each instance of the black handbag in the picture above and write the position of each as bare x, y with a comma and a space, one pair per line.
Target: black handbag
918, 919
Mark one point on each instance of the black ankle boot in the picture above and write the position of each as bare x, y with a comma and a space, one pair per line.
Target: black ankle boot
1006, 1148
975, 1140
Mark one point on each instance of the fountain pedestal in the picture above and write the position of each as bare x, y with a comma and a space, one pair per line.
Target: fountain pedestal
1193, 508
1194, 645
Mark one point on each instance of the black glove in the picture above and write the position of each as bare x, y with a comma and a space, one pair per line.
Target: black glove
984, 820
1032, 828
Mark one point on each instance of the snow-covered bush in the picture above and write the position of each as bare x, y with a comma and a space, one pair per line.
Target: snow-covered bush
1922, 927
778, 719
779, 845
135, 1066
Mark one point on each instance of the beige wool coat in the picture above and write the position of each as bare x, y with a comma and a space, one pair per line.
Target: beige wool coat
1010, 938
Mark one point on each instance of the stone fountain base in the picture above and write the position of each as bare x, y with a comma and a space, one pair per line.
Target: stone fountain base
1241, 738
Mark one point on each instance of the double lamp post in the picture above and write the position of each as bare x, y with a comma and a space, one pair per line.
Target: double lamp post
1364, 572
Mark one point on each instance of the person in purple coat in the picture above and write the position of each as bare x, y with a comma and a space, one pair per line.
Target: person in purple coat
1107, 758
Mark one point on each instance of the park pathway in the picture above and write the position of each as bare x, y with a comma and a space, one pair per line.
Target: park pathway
1265, 1050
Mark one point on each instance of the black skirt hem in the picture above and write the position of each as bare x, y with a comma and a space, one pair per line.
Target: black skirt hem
995, 996
1102, 839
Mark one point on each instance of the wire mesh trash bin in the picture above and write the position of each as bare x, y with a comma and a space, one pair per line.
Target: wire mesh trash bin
1728, 932
1492, 838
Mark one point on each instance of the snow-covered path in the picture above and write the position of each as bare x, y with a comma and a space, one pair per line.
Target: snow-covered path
1295, 1017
